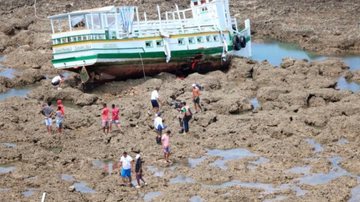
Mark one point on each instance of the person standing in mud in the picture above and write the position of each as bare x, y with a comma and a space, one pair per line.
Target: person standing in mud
159, 126
196, 98
57, 81
139, 170
165, 140
126, 162
48, 111
105, 119
59, 118
155, 100
114, 117
186, 117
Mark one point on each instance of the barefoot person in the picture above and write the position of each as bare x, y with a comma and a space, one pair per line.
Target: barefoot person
165, 140
155, 100
60, 104
186, 116
196, 98
48, 111
105, 119
126, 162
139, 170
114, 117
59, 118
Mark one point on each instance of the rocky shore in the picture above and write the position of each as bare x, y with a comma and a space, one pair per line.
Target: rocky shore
233, 152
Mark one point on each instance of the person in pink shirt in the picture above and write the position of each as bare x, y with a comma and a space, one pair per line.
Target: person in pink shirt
165, 141
114, 117
105, 119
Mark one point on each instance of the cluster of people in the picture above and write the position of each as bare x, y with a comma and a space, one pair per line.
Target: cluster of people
126, 161
49, 113
106, 121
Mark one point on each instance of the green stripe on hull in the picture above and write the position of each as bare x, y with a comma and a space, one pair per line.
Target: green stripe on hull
174, 54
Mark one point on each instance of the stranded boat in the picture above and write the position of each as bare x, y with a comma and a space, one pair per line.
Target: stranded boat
114, 42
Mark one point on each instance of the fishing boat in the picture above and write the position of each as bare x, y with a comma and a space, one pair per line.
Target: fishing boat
117, 42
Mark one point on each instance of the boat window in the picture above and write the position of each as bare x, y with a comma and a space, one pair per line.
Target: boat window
181, 41
208, 38
148, 44
159, 43
84, 38
191, 40
200, 39
216, 38
79, 38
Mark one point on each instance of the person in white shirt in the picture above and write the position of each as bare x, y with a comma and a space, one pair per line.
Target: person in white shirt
126, 162
57, 81
155, 99
159, 126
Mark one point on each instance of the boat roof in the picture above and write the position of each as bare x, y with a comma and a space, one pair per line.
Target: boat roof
87, 11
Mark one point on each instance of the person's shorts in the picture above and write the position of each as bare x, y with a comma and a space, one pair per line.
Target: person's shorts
125, 172
160, 128
196, 100
154, 103
166, 150
138, 175
48, 121
104, 123
115, 121
59, 124
55, 83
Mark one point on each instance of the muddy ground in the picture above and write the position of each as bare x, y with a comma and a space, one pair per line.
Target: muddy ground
299, 103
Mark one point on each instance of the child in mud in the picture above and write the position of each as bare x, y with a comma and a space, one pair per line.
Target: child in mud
59, 118
48, 111
138, 170
126, 162
165, 140
60, 104
105, 119
114, 117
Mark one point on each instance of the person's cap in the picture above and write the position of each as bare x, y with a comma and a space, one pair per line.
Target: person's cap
158, 114
61, 75
137, 156
193, 85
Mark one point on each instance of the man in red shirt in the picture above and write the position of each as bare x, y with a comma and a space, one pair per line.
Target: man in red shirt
114, 117
105, 119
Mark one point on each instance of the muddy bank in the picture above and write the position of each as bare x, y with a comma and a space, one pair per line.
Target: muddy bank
298, 144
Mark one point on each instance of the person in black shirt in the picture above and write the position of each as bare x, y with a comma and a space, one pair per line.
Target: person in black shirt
138, 170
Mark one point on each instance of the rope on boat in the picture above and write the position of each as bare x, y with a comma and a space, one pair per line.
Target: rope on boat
36, 13
142, 64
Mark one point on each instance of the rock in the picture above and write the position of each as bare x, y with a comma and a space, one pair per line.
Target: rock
287, 62
71, 188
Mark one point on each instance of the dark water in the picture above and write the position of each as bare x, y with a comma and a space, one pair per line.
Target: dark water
15, 92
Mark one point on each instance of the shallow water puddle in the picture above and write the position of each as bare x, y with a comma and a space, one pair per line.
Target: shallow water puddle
268, 188
254, 164
181, 179
9, 145
28, 193
300, 170
6, 169
274, 52
196, 199
67, 177
227, 155
4, 189
151, 195
156, 172
343, 84
343, 141
277, 198
322, 178
255, 103
15, 92
355, 193
83, 188
316, 146
195, 162
7, 72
